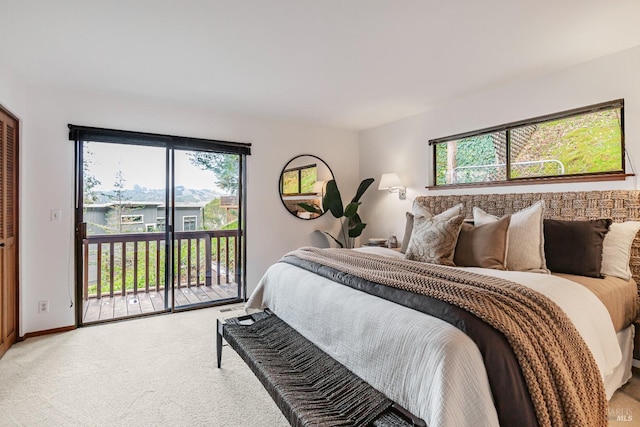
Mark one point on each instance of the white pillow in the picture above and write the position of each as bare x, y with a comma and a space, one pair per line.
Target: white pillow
616, 249
525, 250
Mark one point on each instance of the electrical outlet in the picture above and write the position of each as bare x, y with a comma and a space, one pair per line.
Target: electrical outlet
43, 306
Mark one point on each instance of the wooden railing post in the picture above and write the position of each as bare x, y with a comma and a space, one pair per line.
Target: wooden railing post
146, 266
207, 260
227, 257
189, 263
158, 246
124, 269
135, 268
198, 261
218, 261
99, 274
112, 272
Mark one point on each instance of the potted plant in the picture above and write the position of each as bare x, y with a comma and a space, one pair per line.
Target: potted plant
351, 224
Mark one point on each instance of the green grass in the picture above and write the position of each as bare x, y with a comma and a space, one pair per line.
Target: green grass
591, 149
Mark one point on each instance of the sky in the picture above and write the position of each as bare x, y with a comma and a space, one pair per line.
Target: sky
144, 166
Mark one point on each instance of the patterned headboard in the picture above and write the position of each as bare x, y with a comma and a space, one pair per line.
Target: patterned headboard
619, 205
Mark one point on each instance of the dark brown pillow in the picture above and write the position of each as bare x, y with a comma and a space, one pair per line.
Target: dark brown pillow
575, 247
483, 246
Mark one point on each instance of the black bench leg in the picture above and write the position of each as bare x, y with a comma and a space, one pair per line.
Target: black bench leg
219, 342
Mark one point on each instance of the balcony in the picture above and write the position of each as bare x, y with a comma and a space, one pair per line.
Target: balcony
124, 274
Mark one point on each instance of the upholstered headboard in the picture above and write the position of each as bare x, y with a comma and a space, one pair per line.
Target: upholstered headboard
619, 205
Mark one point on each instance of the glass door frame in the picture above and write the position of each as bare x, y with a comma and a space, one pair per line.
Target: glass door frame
81, 134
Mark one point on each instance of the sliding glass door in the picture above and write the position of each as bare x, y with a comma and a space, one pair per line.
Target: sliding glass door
159, 228
207, 236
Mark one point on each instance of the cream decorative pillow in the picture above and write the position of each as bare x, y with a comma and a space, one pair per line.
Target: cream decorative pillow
526, 238
433, 240
616, 249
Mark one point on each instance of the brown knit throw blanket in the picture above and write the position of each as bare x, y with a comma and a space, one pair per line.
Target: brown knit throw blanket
561, 374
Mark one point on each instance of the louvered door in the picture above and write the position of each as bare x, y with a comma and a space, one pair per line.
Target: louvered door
8, 231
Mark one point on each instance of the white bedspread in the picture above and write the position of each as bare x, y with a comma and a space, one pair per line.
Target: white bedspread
426, 365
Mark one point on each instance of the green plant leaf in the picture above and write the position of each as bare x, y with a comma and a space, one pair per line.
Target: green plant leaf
332, 201
356, 230
354, 220
351, 210
310, 208
362, 188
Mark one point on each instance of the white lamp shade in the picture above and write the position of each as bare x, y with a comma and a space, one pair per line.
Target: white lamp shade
389, 180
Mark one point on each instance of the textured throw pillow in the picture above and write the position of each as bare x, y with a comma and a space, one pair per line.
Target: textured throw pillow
616, 249
433, 240
575, 247
419, 209
408, 229
484, 245
526, 240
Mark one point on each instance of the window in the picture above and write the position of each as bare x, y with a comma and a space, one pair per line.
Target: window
189, 223
160, 224
299, 180
585, 143
131, 219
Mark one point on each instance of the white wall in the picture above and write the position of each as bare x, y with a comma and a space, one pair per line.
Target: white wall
47, 182
12, 92
403, 147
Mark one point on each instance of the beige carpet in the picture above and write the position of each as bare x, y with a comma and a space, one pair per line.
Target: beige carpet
157, 371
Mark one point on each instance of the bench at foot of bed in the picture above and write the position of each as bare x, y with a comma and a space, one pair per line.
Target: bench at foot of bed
308, 385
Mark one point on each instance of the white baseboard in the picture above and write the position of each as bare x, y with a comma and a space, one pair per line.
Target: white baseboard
635, 363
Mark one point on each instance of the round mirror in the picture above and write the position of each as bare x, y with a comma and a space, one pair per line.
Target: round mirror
302, 183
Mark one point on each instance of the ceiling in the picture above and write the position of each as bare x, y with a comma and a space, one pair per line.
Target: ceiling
353, 64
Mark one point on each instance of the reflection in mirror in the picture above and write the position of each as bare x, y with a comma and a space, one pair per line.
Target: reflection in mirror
303, 180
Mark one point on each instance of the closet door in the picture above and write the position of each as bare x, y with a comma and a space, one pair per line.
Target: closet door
8, 231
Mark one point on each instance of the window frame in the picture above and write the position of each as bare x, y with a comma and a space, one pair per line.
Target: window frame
298, 170
133, 219
191, 218
592, 176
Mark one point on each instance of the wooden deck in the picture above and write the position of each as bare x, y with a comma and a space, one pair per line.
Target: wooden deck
107, 308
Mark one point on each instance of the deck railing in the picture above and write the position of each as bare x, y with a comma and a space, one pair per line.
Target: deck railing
135, 262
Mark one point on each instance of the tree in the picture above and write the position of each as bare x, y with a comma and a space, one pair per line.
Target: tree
224, 166
90, 182
214, 216
118, 197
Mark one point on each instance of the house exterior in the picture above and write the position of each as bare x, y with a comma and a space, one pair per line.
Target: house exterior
140, 217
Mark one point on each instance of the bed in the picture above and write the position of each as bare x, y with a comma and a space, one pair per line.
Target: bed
432, 368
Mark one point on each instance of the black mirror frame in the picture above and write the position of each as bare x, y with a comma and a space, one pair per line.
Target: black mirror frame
286, 167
